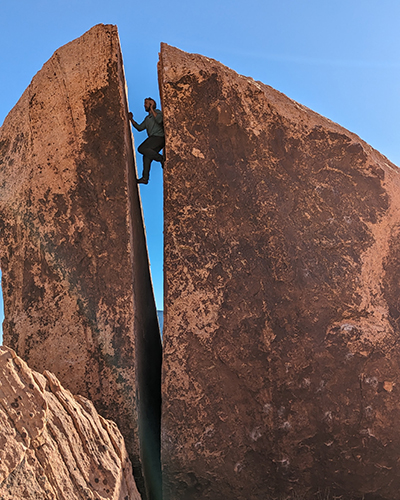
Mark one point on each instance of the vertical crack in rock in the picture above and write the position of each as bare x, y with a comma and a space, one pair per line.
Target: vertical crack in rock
280, 370
1, 308
77, 289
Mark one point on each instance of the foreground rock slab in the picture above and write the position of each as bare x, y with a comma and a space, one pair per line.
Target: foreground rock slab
77, 290
281, 372
54, 445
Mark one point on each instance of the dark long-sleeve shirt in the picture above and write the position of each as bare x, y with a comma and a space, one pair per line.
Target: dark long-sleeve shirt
154, 126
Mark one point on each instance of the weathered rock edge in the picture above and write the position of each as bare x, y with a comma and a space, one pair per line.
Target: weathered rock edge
55, 445
77, 290
281, 368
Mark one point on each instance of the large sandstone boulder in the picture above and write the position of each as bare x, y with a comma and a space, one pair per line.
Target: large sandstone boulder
76, 284
55, 446
281, 374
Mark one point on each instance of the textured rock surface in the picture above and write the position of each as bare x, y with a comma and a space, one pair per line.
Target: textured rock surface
55, 446
281, 370
77, 291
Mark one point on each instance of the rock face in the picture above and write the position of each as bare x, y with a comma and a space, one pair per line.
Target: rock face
55, 446
281, 372
77, 290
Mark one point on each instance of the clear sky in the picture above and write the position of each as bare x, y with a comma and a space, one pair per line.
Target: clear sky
341, 59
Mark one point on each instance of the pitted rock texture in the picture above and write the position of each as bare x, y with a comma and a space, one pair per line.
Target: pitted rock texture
76, 284
281, 370
56, 446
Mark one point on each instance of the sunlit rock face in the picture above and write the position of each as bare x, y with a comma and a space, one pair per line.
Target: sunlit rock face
55, 445
281, 371
77, 290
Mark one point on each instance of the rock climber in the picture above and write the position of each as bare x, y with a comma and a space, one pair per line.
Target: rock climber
155, 142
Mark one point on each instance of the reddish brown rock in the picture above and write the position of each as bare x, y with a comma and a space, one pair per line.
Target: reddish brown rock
281, 374
77, 290
55, 445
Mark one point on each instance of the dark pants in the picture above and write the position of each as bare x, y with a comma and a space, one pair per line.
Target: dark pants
150, 149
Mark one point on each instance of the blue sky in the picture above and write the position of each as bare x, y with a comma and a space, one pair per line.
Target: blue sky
341, 59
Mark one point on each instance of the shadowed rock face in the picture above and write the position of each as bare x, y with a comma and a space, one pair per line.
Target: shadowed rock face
54, 445
281, 371
77, 291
